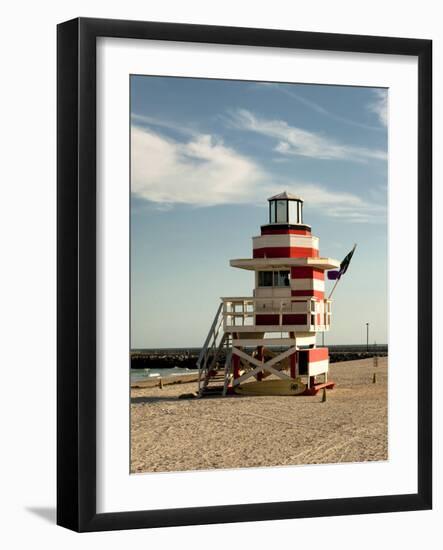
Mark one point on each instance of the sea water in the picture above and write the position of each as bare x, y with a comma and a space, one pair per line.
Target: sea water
148, 373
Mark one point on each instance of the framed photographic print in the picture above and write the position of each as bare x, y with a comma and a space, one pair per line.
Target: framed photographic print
204, 378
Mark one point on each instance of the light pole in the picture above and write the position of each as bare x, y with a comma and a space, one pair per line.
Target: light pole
367, 336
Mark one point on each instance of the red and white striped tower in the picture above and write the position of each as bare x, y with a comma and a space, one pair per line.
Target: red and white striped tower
288, 307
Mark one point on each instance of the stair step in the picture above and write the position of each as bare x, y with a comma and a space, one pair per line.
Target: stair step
215, 357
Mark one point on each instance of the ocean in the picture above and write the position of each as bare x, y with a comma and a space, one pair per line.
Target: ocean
149, 373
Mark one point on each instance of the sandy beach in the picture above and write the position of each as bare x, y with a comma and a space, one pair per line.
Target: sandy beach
171, 434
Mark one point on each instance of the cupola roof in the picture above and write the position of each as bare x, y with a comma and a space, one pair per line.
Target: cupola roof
285, 196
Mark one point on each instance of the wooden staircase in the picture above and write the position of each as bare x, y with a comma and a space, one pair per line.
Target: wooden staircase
214, 370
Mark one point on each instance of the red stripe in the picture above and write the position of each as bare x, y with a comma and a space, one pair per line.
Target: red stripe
267, 231
285, 252
307, 273
297, 319
267, 319
288, 319
315, 293
316, 354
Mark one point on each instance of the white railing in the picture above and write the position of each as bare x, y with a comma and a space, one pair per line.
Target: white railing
243, 311
214, 342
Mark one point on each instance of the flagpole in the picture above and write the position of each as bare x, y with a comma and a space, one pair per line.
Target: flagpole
333, 288
336, 282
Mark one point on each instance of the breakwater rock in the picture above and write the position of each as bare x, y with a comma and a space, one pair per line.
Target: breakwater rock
188, 360
341, 356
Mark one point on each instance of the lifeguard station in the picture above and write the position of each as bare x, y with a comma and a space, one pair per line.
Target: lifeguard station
273, 332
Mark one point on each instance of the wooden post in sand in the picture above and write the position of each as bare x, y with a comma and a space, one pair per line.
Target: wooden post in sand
161, 383
374, 377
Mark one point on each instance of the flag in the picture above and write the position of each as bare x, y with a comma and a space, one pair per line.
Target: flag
335, 275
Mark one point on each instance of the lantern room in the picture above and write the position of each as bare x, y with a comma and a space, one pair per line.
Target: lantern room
285, 208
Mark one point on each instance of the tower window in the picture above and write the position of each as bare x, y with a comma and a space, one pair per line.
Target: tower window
273, 278
293, 210
282, 211
281, 278
265, 278
272, 212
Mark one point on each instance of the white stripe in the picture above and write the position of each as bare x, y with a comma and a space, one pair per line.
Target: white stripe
305, 340
272, 292
277, 241
318, 367
308, 284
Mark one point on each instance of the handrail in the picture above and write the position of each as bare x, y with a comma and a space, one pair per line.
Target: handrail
210, 333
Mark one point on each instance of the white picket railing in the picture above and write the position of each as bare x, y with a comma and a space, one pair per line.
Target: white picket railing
242, 311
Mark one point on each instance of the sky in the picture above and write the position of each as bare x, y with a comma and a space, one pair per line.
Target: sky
205, 157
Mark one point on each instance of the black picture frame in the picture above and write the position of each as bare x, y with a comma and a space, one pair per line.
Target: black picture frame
76, 280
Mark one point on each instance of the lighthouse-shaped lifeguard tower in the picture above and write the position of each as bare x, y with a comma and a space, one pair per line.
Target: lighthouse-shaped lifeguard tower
273, 332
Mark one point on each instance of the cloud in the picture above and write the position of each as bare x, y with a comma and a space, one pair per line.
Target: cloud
343, 205
152, 121
205, 172
202, 171
315, 106
292, 140
379, 106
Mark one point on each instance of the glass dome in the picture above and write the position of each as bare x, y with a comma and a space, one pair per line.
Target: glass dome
286, 208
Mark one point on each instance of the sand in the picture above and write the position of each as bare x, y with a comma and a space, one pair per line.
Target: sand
171, 434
